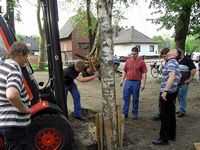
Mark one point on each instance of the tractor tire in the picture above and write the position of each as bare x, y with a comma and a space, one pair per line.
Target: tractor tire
51, 132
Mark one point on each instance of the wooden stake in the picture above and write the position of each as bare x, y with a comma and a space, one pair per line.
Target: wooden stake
197, 146
99, 130
108, 129
122, 129
119, 127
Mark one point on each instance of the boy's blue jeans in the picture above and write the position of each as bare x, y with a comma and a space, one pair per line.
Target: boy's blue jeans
131, 88
72, 88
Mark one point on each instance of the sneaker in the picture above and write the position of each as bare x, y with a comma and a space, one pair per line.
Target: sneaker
177, 112
180, 115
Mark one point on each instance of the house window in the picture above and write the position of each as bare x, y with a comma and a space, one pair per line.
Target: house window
138, 46
83, 46
28, 44
151, 48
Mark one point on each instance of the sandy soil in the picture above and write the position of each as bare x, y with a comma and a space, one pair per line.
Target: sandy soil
138, 133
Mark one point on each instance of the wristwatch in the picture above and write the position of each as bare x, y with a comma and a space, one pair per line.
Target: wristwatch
166, 91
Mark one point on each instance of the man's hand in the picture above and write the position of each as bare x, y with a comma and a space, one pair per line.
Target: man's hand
96, 74
142, 87
163, 95
121, 82
188, 81
26, 110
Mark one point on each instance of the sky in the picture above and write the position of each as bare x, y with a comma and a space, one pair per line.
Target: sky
136, 16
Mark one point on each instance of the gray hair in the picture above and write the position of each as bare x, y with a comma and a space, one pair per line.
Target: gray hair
18, 48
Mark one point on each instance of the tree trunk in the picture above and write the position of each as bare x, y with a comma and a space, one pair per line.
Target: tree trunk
10, 17
181, 28
41, 59
104, 14
89, 25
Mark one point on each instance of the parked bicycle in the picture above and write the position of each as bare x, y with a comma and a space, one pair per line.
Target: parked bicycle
156, 69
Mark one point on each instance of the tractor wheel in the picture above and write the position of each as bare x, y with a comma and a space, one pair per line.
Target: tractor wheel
51, 132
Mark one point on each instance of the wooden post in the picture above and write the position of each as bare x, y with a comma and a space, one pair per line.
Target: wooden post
99, 130
120, 125
109, 136
197, 146
122, 129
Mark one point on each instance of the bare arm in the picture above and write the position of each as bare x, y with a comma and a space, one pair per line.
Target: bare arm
123, 78
86, 79
13, 96
193, 72
170, 82
144, 78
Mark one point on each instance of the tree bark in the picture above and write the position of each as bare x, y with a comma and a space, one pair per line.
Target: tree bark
181, 28
89, 25
10, 17
104, 14
41, 60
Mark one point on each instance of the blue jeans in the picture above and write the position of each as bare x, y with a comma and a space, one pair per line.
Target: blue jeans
131, 88
182, 94
72, 88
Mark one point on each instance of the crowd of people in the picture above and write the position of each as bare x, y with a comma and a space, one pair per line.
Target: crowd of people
177, 73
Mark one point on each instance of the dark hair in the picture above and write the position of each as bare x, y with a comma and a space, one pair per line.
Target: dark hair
135, 49
164, 51
18, 48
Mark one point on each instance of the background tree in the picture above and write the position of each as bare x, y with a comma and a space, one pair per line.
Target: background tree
11, 7
192, 44
41, 60
174, 14
160, 39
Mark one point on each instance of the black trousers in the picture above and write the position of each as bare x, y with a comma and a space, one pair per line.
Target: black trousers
168, 116
15, 138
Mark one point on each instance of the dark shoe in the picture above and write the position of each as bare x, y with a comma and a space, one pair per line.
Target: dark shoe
180, 115
156, 118
177, 112
135, 117
160, 142
172, 139
80, 118
126, 116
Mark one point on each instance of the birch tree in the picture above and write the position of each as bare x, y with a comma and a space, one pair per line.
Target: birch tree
104, 15
41, 59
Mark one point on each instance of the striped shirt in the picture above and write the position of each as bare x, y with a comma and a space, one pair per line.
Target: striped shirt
11, 76
171, 65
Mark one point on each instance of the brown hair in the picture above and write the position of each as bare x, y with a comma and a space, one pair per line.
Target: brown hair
80, 64
164, 51
135, 49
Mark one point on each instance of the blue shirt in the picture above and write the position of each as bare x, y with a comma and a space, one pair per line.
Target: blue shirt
171, 65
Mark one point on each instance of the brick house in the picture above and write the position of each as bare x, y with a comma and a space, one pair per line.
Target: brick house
72, 42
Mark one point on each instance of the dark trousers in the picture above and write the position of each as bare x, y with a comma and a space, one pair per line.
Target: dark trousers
15, 138
168, 117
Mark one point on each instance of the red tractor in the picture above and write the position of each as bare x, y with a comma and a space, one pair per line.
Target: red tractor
50, 128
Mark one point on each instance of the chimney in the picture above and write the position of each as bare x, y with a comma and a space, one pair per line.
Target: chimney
132, 29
